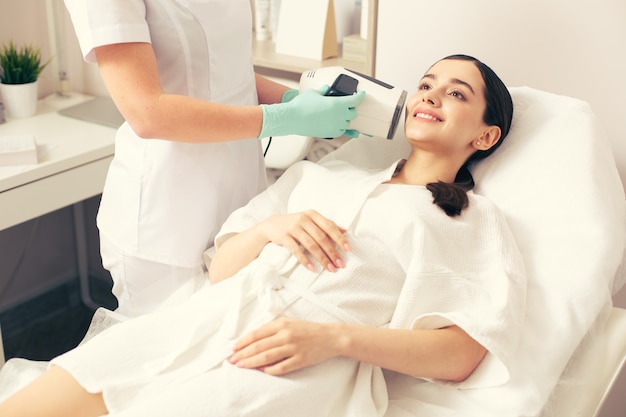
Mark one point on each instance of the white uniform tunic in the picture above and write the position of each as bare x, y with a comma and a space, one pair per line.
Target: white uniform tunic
411, 267
164, 201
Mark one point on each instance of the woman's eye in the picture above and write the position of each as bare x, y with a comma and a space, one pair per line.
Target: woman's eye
457, 94
424, 86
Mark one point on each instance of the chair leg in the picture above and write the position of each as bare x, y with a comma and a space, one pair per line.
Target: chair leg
81, 256
2, 358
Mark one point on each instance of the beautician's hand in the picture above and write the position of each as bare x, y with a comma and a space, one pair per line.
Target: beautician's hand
286, 345
289, 95
312, 114
310, 232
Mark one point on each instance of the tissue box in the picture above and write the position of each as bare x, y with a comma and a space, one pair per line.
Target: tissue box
18, 150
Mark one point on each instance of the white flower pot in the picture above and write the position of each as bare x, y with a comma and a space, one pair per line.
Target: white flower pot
20, 100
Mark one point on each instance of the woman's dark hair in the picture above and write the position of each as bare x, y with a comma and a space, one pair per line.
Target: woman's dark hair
452, 198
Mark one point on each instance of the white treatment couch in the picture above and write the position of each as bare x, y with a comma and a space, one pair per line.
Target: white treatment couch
589, 378
556, 180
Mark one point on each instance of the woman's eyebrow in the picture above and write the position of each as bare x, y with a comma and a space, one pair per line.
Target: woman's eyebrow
461, 82
453, 81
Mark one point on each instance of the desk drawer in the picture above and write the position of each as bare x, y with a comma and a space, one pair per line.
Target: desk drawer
51, 193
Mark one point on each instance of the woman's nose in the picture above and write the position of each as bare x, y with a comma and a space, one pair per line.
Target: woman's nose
429, 97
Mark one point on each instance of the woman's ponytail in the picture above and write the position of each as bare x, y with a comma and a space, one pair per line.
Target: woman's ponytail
452, 197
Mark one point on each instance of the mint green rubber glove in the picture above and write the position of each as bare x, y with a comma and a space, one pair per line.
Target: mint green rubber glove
289, 95
312, 114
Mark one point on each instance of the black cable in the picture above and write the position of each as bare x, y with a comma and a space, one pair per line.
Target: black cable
269, 142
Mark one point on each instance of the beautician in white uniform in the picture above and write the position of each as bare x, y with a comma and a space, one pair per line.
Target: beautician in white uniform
181, 73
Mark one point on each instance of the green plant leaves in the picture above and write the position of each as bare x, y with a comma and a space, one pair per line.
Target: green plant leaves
20, 65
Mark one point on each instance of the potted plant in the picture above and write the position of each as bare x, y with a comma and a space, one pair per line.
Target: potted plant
20, 67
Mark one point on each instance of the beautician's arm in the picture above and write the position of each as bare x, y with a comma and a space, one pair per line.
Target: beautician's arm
131, 76
268, 91
130, 72
286, 345
301, 233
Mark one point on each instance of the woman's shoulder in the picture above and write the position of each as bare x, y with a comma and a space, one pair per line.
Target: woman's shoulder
481, 201
480, 205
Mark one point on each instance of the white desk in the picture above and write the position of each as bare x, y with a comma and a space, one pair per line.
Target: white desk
72, 170
73, 167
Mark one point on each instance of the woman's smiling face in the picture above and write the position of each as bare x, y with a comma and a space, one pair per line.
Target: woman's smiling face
446, 112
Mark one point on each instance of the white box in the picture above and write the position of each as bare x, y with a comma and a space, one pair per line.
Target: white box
18, 150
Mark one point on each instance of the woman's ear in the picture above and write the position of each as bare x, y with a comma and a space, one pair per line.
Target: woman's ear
489, 137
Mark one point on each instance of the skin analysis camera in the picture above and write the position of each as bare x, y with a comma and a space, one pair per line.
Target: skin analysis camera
378, 114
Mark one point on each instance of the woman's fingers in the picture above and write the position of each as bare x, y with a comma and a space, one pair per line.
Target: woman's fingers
318, 243
260, 348
321, 238
282, 346
310, 235
297, 250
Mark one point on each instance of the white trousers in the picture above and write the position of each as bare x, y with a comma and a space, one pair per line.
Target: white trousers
142, 286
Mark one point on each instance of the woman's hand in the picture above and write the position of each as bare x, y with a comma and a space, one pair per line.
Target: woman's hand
308, 232
286, 345
303, 234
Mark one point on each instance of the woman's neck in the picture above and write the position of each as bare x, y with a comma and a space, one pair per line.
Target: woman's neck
424, 168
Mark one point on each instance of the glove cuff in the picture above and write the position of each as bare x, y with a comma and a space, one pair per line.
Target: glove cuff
273, 116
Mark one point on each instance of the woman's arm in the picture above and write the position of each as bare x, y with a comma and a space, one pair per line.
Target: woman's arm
130, 73
448, 353
302, 233
286, 345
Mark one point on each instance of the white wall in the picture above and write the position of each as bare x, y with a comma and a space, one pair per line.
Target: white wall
25, 21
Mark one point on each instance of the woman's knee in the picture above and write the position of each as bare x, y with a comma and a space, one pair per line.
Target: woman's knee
54, 393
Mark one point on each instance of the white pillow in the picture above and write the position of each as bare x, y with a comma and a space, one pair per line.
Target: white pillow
556, 181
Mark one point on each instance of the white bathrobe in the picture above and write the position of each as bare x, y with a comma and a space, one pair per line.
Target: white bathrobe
411, 267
